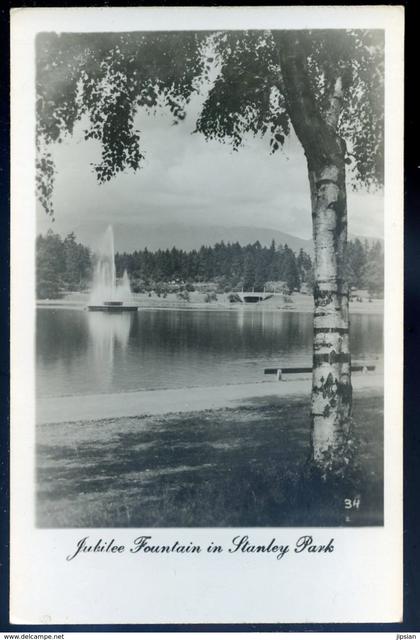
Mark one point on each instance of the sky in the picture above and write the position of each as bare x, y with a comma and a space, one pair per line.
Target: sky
187, 180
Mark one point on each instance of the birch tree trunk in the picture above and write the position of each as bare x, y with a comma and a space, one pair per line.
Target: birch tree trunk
325, 154
331, 383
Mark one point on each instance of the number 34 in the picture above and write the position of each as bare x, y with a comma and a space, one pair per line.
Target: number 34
350, 503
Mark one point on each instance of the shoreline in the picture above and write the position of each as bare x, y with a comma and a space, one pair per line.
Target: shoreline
55, 410
272, 305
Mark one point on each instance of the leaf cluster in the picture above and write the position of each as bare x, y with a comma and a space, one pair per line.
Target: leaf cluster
103, 79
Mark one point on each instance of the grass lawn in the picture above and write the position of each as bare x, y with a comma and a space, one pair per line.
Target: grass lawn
224, 468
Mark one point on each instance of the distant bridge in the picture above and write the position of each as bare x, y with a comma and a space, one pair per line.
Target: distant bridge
253, 296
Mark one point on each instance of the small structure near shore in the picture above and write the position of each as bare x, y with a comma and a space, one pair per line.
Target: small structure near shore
253, 296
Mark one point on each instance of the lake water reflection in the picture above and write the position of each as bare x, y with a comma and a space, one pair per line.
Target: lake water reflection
79, 352
109, 332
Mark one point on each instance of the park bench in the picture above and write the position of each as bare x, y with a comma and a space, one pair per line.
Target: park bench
283, 370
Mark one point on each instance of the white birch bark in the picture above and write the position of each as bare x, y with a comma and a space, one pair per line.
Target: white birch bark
324, 150
331, 384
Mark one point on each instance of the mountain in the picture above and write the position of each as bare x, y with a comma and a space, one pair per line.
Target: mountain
129, 237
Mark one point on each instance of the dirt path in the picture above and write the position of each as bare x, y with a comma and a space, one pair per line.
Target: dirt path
162, 401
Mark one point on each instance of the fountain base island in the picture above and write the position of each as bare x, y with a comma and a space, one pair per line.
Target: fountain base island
108, 294
113, 306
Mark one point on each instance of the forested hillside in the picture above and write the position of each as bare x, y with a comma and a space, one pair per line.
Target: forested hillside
67, 265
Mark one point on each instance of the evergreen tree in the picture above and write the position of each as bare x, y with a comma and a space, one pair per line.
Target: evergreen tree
290, 272
249, 270
50, 265
304, 265
355, 263
77, 258
373, 275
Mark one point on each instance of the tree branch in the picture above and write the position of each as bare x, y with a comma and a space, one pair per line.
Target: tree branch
336, 103
313, 130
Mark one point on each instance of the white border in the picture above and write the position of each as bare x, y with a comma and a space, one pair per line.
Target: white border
362, 580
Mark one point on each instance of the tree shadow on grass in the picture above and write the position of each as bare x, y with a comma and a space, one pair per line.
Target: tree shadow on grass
226, 468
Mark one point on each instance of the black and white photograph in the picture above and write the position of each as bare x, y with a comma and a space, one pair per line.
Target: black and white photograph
215, 226
209, 278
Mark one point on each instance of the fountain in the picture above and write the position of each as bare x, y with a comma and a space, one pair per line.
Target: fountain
107, 293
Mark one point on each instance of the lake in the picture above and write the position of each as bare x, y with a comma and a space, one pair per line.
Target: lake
78, 352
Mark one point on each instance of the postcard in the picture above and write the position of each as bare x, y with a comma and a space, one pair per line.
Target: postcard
206, 315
